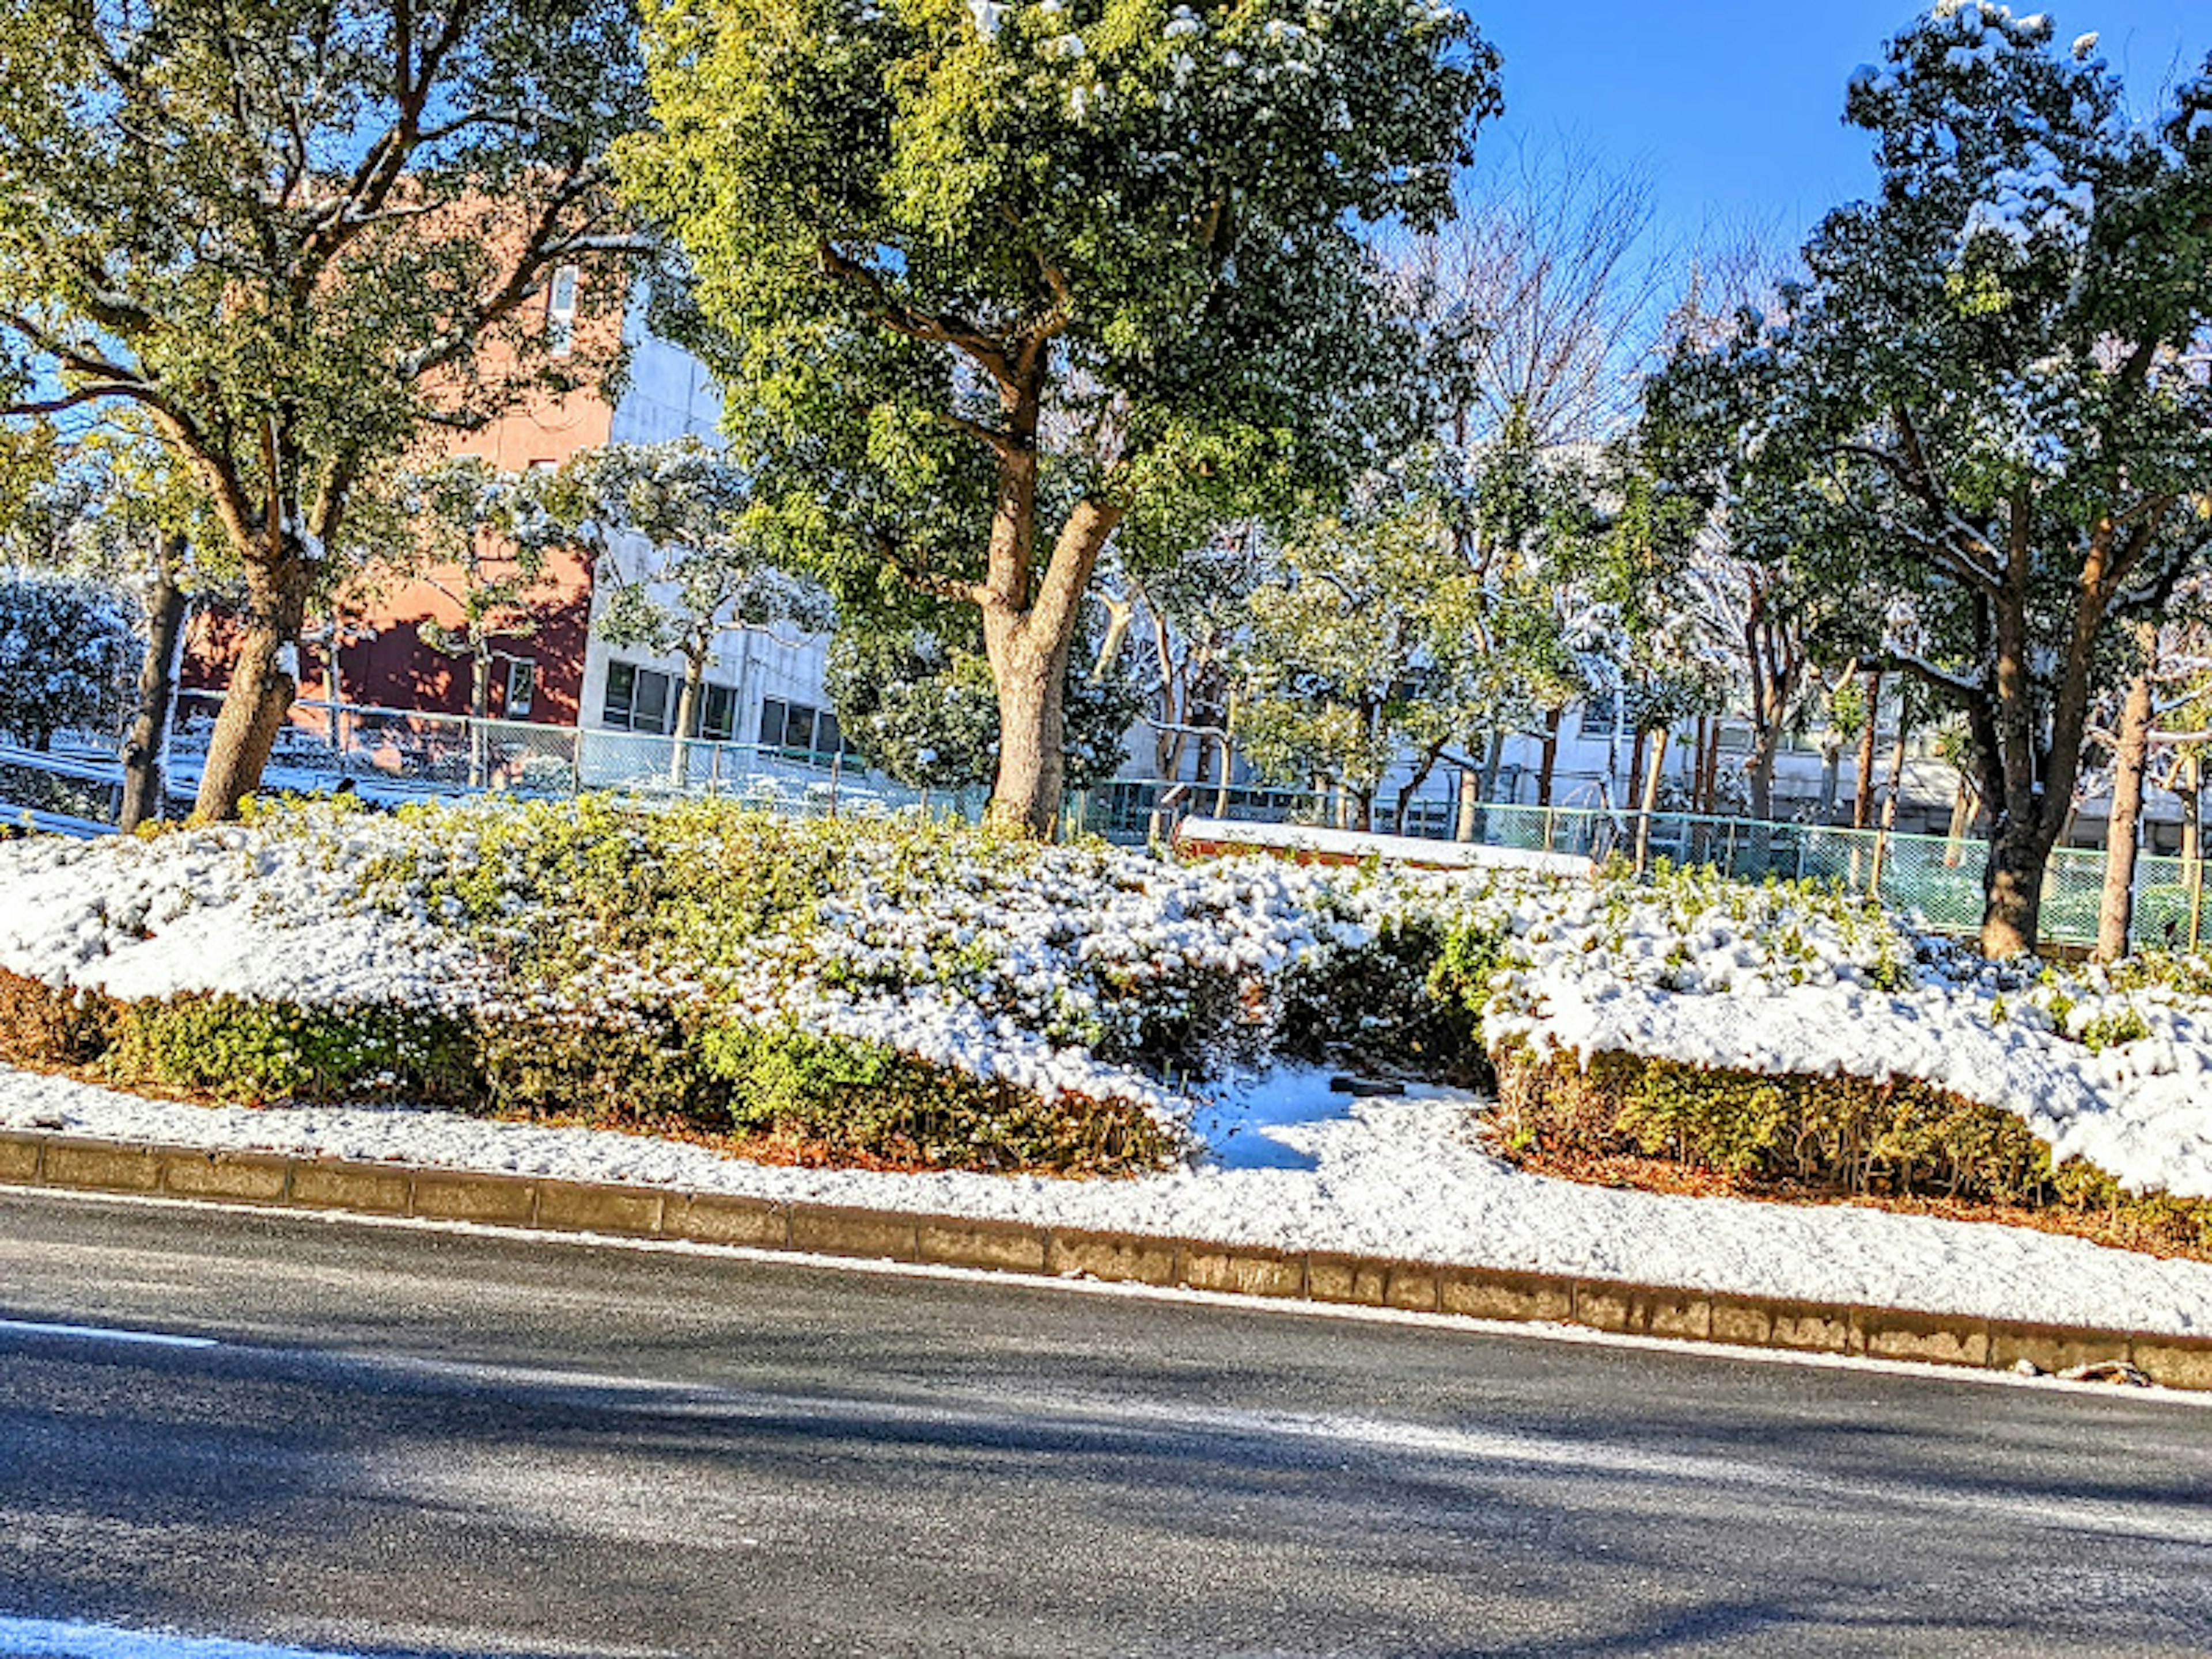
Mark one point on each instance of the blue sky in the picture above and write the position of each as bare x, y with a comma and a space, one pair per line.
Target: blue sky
1734, 109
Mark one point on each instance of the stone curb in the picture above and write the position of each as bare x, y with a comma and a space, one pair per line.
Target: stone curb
46, 1160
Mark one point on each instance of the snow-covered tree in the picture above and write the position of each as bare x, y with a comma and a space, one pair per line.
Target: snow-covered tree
460, 512
297, 235
1992, 390
921, 706
992, 285
678, 566
68, 647
114, 510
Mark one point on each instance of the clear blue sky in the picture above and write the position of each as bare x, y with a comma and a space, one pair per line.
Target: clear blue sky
1736, 109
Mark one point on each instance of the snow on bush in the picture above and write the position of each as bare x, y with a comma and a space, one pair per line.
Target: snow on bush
1098, 973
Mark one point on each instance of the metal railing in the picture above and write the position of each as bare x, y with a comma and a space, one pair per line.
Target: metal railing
395, 753
400, 752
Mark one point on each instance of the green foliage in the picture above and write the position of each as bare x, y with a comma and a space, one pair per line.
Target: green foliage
856, 1098
459, 514
300, 235
1404, 1002
665, 527
920, 702
1455, 597
67, 650
1848, 1134
990, 285
1978, 429
251, 1050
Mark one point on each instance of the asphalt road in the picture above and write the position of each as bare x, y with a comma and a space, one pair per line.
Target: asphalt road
389, 1441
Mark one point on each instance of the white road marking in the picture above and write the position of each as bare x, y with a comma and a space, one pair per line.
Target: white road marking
54, 1638
103, 1333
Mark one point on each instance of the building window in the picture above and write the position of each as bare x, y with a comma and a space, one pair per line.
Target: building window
1601, 714
561, 311
521, 687
637, 700
718, 713
786, 724
799, 728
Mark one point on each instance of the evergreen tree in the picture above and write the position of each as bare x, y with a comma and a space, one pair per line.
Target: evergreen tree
991, 285
1985, 405
297, 236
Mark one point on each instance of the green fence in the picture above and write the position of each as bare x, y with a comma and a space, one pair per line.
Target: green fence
1936, 878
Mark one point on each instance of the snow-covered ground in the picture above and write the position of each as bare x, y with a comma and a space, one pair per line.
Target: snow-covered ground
1058, 967
1291, 1165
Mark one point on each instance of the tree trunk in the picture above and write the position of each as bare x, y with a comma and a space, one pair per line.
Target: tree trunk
1548, 765
1470, 800
1962, 818
479, 711
262, 683
1031, 679
1493, 762
1028, 639
1759, 768
2189, 788
1650, 801
687, 718
145, 782
1635, 762
1863, 795
2012, 888
1412, 787
2116, 906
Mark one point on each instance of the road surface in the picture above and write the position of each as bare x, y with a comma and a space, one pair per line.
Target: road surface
324, 1435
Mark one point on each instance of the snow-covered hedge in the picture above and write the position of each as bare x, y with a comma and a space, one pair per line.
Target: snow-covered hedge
922, 994
940, 995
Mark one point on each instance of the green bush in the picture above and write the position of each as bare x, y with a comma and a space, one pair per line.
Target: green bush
1903, 1138
853, 1097
280, 1051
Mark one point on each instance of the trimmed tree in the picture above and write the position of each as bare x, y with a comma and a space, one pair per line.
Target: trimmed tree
1988, 395
676, 566
990, 285
298, 236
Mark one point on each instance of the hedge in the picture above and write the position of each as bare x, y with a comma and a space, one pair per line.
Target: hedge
1846, 1135
832, 1099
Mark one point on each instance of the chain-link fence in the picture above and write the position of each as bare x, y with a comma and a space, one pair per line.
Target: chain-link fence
396, 754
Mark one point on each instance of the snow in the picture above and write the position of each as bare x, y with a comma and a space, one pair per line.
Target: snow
1294, 1166
55, 1638
1359, 844
1046, 967
227, 909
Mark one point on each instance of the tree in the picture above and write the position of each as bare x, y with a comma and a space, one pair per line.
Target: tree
678, 566
1990, 391
1383, 637
992, 285
1537, 297
460, 511
920, 704
67, 647
109, 506
1194, 610
298, 236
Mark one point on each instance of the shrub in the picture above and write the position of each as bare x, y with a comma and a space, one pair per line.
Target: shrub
857, 1098
259, 1051
1901, 1138
48, 1026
